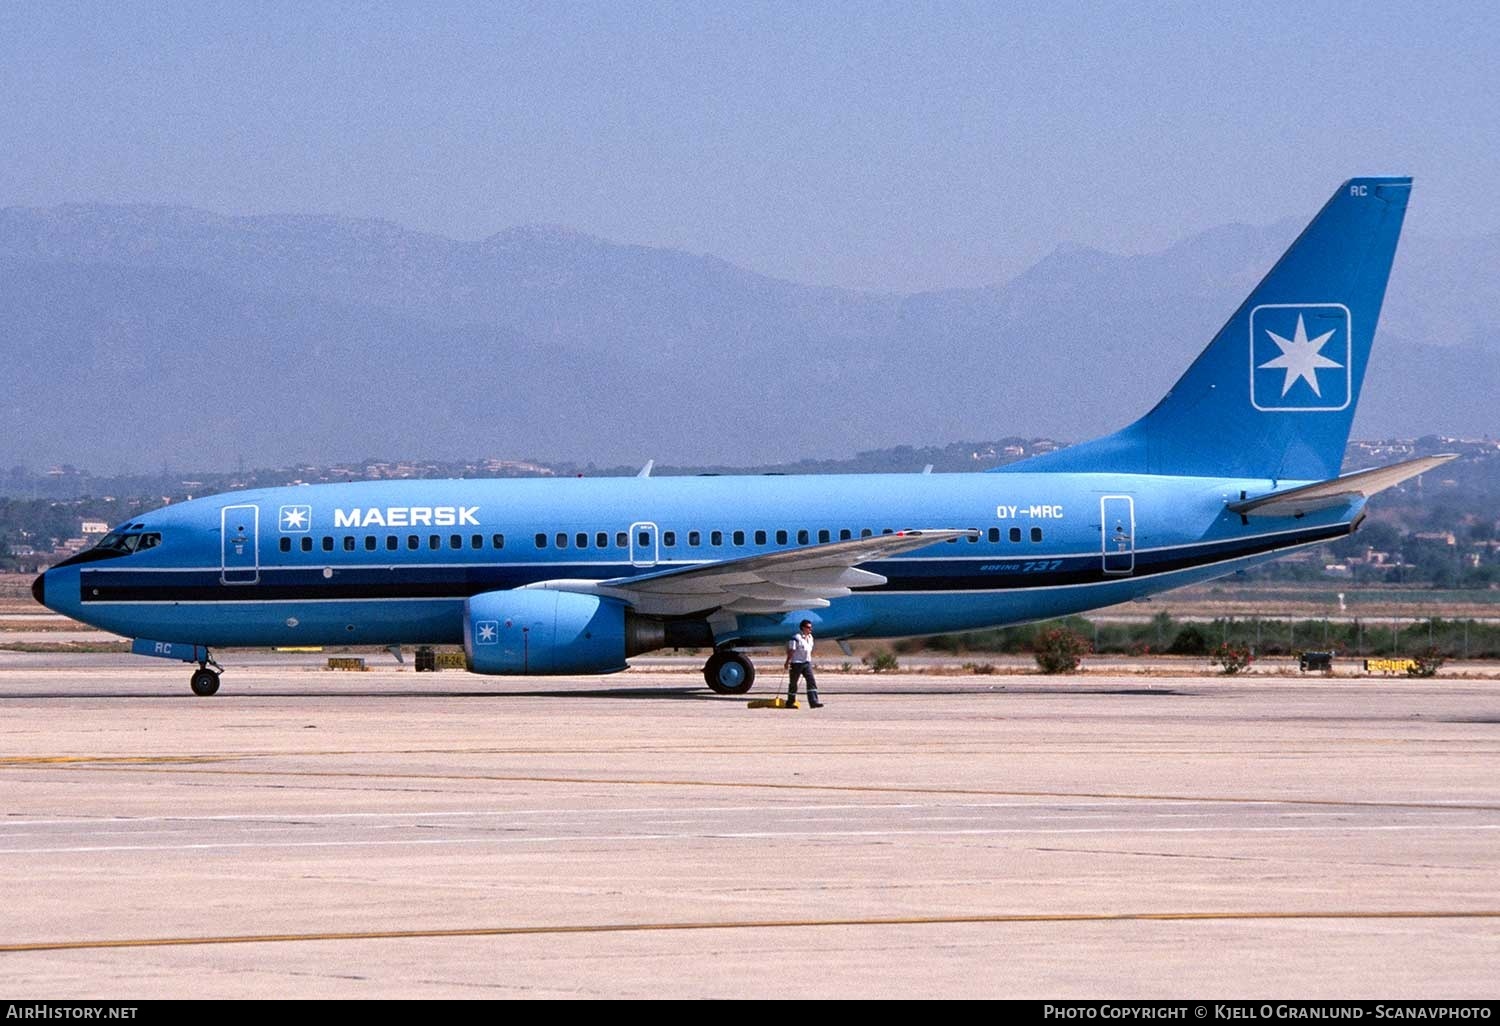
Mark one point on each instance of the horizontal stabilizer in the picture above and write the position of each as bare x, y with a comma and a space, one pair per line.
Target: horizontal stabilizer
1296, 502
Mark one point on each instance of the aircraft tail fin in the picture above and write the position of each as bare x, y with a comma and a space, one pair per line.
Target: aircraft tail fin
1274, 393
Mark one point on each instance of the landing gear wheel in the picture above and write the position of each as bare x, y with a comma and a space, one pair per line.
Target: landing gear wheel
205, 682
729, 673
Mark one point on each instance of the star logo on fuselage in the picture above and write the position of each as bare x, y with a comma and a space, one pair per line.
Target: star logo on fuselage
295, 519
1300, 356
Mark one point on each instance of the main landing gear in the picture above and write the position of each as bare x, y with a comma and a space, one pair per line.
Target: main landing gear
205, 682
729, 673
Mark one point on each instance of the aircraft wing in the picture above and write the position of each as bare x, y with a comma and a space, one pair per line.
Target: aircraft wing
1294, 502
774, 582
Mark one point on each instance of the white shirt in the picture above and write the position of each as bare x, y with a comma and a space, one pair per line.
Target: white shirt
800, 648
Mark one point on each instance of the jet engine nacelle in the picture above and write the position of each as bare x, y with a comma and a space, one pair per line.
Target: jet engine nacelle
535, 631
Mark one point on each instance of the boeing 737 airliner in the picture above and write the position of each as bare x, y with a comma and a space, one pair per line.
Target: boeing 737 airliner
1238, 464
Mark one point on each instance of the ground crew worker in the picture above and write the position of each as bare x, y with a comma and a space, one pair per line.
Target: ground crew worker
799, 661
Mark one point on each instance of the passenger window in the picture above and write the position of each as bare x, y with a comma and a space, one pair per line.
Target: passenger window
327, 543
581, 540
369, 543
865, 532
760, 537
887, 530
392, 542
1036, 534
845, 534
601, 540
716, 538
973, 535
824, 537
541, 541
434, 542
455, 541
694, 539
413, 542
669, 538
476, 541
306, 543
497, 541
1015, 534
643, 539
739, 537
286, 545
780, 537
561, 539
622, 539
994, 534
348, 543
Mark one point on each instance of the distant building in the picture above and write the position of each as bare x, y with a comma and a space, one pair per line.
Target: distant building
89, 527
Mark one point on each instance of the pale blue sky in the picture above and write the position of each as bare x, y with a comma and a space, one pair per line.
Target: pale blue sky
899, 146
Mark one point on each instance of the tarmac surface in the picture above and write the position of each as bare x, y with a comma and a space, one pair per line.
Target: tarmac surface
308, 833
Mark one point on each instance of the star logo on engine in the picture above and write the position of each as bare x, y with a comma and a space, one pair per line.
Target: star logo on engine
486, 632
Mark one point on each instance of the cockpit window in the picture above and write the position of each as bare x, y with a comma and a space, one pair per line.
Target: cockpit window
118, 543
125, 542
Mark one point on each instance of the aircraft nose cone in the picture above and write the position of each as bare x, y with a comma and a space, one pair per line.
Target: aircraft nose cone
39, 589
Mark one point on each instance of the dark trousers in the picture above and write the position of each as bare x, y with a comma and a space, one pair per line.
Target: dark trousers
802, 670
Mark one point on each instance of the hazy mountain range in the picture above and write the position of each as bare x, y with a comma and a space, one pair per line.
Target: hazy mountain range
134, 335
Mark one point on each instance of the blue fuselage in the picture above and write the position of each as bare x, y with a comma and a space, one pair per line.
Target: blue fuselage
393, 562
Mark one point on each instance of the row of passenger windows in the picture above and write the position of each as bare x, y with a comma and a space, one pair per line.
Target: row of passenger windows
393, 542
602, 539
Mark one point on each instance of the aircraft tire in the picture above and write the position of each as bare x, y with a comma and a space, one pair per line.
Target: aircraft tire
205, 682
729, 673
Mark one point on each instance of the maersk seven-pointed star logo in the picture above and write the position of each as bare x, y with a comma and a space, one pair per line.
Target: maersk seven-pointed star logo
486, 632
1299, 357
295, 520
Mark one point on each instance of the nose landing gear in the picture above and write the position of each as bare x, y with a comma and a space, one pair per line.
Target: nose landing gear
204, 681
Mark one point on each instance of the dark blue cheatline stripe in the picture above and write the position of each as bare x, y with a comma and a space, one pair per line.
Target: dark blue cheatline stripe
293, 584
918, 575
